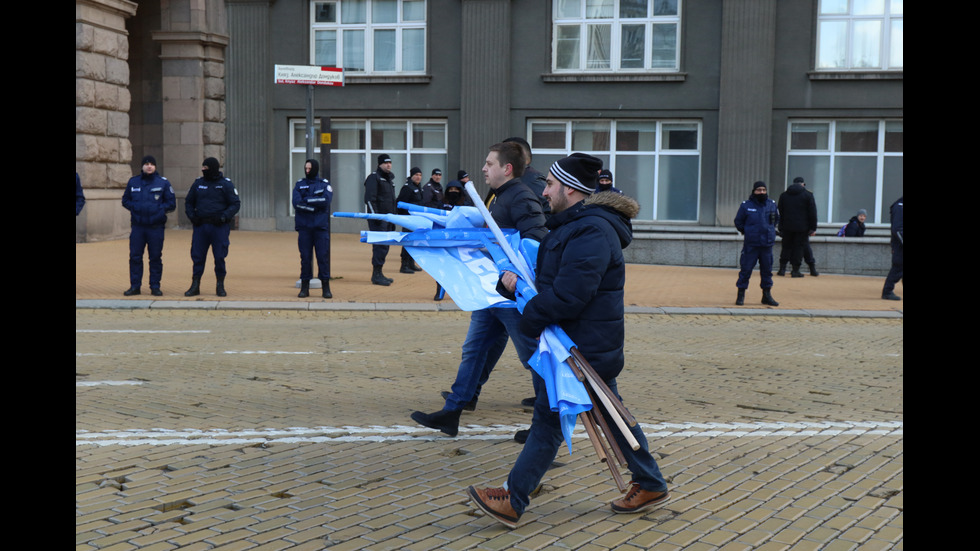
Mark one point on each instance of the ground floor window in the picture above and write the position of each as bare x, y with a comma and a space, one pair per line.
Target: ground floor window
356, 144
848, 165
656, 162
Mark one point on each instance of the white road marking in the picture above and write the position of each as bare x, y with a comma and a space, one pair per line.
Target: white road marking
107, 383
220, 437
140, 331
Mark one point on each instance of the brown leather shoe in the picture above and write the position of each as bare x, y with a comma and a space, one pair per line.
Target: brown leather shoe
638, 500
496, 503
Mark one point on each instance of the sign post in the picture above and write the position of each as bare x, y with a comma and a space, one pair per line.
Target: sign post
313, 76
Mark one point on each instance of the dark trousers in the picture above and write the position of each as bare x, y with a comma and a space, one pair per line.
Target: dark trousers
748, 259
310, 241
149, 238
379, 252
214, 237
792, 249
897, 270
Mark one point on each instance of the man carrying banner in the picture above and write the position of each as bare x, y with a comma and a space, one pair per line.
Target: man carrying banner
514, 207
580, 277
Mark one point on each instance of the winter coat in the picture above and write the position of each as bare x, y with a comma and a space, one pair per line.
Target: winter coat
148, 198
212, 201
311, 201
514, 206
580, 276
758, 222
379, 192
797, 210
854, 228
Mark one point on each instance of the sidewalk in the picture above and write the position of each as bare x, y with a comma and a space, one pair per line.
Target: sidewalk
263, 268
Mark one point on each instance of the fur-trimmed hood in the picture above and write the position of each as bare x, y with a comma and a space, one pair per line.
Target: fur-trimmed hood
616, 201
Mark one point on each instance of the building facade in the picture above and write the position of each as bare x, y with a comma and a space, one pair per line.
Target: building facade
688, 102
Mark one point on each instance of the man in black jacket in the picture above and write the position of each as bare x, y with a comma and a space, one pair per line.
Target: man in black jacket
379, 198
898, 252
797, 222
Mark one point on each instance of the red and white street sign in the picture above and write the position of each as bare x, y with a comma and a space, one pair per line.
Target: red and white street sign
304, 74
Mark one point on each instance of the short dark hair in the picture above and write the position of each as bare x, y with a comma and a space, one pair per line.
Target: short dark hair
524, 145
510, 153
798, 180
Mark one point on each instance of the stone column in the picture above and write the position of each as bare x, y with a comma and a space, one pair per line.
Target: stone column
745, 146
102, 100
484, 116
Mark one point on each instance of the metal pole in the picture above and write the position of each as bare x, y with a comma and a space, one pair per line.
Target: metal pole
309, 121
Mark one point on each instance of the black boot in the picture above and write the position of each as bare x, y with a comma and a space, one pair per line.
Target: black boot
813, 269
767, 298
444, 420
195, 288
782, 269
304, 288
219, 288
133, 290
796, 272
379, 278
406, 268
740, 299
440, 292
325, 283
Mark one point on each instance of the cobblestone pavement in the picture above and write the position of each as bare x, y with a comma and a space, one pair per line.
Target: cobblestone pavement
267, 430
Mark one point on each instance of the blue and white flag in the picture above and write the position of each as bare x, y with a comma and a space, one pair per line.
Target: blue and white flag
465, 258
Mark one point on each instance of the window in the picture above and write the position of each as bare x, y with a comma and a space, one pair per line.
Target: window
616, 35
356, 145
848, 165
658, 163
863, 35
369, 36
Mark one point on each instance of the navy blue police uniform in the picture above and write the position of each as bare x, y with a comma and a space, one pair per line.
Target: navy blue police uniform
211, 205
312, 197
148, 198
757, 219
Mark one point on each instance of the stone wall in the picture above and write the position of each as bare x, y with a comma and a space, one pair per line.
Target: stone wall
102, 102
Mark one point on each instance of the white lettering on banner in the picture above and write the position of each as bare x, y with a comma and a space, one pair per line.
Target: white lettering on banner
303, 74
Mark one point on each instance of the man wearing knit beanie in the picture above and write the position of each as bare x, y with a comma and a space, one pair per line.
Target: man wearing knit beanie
580, 277
148, 198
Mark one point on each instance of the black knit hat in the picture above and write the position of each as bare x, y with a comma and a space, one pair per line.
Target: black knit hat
149, 159
436, 172
578, 171
383, 158
605, 173
461, 174
759, 184
415, 170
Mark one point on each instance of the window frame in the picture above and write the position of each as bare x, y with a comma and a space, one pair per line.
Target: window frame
615, 154
834, 154
889, 37
348, 195
616, 25
369, 29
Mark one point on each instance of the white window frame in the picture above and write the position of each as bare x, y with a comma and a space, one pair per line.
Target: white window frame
848, 17
369, 28
348, 190
879, 210
658, 153
582, 20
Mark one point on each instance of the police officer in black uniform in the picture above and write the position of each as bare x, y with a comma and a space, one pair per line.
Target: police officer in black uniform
211, 205
411, 192
379, 198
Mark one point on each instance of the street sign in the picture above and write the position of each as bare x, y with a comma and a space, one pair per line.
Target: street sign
304, 74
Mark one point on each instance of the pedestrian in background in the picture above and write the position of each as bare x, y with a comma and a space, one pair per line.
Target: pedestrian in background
312, 196
895, 274
211, 205
855, 226
148, 198
410, 193
798, 221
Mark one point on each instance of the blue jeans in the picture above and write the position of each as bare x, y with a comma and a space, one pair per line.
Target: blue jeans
481, 350
545, 439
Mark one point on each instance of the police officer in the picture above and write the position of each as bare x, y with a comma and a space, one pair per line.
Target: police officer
379, 198
411, 192
148, 198
311, 200
211, 204
606, 182
757, 219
